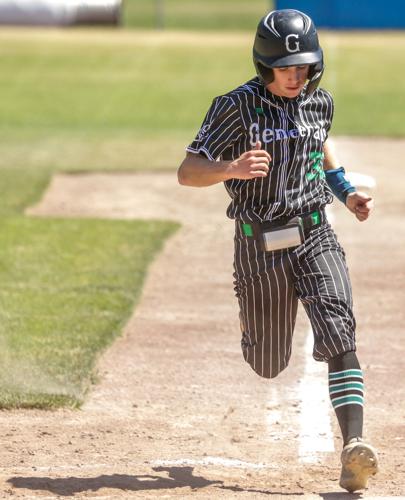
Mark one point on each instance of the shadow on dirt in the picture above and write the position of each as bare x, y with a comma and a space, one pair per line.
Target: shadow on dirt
340, 496
179, 477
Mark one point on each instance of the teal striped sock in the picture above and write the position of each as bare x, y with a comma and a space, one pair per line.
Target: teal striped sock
346, 388
346, 392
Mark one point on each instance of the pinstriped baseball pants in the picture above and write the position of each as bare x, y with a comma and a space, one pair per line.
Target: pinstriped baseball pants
268, 286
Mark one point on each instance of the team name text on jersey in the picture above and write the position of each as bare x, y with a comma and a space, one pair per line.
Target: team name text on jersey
268, 135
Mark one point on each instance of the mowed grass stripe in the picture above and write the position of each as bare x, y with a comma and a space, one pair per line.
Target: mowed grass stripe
67, 289
149, 86
194, 14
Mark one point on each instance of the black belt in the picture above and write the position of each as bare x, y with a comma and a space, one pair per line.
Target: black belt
308, 221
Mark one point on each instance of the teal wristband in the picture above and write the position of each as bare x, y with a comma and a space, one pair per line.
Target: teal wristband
338, 183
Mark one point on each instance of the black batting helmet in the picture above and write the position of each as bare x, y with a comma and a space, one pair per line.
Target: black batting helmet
284, 38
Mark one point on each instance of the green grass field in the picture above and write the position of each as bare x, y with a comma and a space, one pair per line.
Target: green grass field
122, 100
67, 288
195, 14
80, 100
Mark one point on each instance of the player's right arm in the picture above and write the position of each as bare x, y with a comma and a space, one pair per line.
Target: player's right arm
198, 171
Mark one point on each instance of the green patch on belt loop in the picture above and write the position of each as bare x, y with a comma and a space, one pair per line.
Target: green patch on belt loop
259, 111
316, 218
247, 229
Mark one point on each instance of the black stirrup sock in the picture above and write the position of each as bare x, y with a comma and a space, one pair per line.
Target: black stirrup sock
346, 393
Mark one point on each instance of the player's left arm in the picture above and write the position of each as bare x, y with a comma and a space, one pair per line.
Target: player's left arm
359, 203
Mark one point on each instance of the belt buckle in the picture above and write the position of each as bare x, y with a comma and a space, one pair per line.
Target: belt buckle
284, 236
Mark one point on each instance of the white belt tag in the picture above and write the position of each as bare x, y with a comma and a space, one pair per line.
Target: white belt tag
278, 239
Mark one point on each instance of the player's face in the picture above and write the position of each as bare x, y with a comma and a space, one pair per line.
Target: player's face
288, 82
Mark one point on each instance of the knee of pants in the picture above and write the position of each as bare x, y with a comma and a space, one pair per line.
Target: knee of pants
265, 366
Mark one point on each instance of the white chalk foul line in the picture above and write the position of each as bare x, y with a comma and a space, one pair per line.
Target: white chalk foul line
217, 461
315, 434
361, 181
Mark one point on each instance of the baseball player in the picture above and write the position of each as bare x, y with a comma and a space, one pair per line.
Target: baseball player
267, 141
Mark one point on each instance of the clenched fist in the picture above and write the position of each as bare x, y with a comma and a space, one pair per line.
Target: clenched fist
251, 164
360, 204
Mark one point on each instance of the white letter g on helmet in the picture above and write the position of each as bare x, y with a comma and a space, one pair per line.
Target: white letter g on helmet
296, 45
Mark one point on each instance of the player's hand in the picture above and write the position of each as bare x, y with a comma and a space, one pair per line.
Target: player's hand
251, 164
360, 204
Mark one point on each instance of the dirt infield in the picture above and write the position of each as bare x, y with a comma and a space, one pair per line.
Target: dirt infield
178, 414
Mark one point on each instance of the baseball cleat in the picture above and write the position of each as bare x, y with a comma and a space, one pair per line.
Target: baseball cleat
359, 462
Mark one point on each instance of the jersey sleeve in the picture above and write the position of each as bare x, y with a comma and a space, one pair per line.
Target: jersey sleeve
220, 129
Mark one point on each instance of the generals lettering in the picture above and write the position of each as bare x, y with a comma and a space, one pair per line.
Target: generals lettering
267, 135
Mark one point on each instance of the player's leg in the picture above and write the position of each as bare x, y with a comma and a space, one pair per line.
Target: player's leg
325, 291
346, 391
267, 303
359, 460
323, 285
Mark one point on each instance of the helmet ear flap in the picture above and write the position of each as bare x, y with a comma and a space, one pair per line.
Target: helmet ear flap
265, 74
314, 69
314, 75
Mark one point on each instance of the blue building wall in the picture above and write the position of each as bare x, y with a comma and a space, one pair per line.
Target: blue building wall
351, 14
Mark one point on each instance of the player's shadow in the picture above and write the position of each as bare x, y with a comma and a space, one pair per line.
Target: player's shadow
340, 496
178, 477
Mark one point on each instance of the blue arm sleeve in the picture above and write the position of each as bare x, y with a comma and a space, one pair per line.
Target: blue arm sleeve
339, 185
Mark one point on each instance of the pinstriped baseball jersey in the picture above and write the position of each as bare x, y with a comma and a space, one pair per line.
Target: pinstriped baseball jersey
291, 130
268, 284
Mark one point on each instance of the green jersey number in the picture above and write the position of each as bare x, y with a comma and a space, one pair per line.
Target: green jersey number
316, 167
